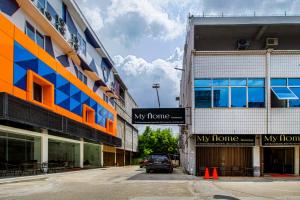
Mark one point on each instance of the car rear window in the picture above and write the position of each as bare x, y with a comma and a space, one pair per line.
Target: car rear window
159, 157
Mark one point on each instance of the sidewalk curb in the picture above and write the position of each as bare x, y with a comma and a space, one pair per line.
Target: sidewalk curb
23, 179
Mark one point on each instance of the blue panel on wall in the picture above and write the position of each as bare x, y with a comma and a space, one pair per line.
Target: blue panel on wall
65, 88
20, 77
69, 21
73, 89
60, 81
65, 104
77, 110
92, 103
63, 59
29, 64
60, 96
21, 54
9, 7
73, 104
77, 96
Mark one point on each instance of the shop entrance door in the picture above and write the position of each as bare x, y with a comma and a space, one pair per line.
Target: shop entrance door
279, 160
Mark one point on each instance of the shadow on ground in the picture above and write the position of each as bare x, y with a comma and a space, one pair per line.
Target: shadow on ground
176, 175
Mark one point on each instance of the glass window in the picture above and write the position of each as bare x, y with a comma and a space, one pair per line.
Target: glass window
202, 82
294, 81
283, 93
85, 79
41, 4
278, 82
220, 97
256, 82
202, 97
256, 97
40, 40
82, 44
37, 92
295, 103
238, 82
220, 82
238, 97
30, 31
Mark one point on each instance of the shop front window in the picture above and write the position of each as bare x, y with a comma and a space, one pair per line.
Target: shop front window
91, 155
19, 150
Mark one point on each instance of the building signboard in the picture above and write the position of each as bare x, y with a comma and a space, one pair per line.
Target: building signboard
226, 140
282, 139
158, 116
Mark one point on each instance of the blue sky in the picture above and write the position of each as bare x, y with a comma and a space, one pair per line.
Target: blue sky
146, 37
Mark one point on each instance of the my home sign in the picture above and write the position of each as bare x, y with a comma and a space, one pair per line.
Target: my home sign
158, 116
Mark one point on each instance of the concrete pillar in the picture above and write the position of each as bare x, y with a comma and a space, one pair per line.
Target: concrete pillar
81, 159
297, 163
256, 160
101, 156
44, 146
115, 156
192, 155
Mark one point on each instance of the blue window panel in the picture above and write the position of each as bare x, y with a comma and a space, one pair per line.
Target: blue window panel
60, 97
203, 82
295, 103
203, 97
238, 97
220, 97
238, 82
20, 77
256, 97
21, 54
294, 81
30, 31
278, 82
220, 82
283, 93
260, 82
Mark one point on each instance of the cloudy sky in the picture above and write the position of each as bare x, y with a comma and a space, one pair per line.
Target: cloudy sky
146, 37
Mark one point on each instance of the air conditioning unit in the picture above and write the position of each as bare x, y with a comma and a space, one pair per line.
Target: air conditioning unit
243, 44
271, 43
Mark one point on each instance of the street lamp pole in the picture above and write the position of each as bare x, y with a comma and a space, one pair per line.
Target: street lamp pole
156, 86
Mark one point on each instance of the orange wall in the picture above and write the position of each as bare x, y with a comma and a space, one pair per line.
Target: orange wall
10, 33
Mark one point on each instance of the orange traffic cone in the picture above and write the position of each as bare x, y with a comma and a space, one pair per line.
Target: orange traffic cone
206, 174
215, 174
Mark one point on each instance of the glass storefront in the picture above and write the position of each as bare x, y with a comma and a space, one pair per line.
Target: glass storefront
19, 149
63, 153
92, 155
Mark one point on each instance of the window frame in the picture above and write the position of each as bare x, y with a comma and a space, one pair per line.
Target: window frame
210, 84
36, 32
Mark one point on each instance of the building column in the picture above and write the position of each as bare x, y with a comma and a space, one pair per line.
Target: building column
115, 156
256, 160
297, 163
192, 155
44, 146
101, 156
81, 160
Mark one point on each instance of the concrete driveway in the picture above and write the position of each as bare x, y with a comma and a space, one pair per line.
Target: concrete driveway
133, 183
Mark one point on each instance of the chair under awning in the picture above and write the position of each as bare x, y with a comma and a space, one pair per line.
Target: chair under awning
283, 93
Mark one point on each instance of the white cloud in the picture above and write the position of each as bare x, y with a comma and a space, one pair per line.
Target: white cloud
152, 17
139, 75
94, 17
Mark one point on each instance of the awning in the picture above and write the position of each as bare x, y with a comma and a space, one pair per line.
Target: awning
283, 93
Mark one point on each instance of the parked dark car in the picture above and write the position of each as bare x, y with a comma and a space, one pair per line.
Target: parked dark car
159, 162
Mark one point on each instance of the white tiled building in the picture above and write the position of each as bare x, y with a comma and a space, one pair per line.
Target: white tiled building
241, 78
